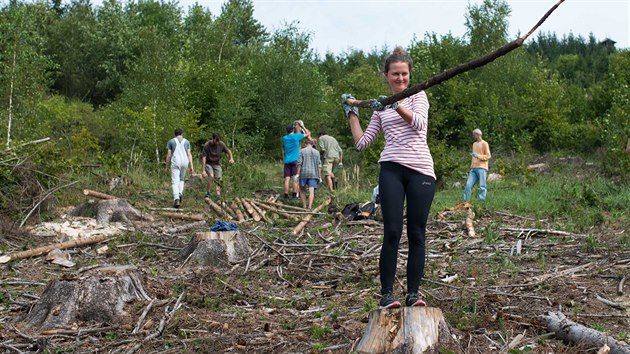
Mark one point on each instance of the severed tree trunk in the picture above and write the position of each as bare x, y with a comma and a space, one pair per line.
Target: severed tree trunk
406, 330
568, 330
108, 210
216, 248
98, 297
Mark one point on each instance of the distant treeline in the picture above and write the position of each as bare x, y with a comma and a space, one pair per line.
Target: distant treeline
110, 83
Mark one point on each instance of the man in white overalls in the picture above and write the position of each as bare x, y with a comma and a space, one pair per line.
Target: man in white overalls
179, 158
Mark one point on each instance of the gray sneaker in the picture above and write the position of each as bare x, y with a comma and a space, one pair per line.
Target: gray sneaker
414, 300
388, 301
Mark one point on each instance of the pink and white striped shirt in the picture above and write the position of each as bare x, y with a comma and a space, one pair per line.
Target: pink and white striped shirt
405, 143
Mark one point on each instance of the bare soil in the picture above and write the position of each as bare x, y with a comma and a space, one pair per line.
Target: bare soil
312, 293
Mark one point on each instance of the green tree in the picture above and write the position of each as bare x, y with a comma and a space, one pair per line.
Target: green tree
487, 25
24, 66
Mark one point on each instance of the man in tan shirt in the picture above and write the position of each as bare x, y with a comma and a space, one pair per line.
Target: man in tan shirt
478, 167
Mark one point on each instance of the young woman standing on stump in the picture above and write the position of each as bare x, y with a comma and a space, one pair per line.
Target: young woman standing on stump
406, 173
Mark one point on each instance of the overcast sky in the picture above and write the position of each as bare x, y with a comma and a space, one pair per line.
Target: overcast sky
342, 25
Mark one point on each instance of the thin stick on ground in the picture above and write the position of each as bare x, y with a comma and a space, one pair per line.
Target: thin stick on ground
308, 218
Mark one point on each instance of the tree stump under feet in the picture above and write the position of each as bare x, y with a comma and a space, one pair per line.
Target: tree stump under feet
406, 330
97, 297
216, 248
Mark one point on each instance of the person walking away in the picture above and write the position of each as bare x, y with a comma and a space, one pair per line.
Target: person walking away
179, 158
308, 170
478, 167
406, 172
211, 162
291, 152
332, 156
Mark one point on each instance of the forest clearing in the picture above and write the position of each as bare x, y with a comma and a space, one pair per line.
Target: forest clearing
313, 291
97, 255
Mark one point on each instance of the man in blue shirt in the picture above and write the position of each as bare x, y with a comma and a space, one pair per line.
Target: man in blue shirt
291, 153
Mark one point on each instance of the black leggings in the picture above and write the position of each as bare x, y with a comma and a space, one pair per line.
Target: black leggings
395, 183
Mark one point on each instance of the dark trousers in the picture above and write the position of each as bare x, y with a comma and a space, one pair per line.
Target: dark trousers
396, 183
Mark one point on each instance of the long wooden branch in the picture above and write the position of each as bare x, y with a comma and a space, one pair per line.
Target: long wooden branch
459, 69
44, 249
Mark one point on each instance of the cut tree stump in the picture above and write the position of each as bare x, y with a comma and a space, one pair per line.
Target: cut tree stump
216, 248
110, 210
99, 296
567, 330
405, 330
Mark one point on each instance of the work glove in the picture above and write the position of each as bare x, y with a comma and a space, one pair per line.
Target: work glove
475, 155
346, 107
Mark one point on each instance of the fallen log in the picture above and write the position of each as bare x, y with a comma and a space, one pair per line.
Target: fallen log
250, 209
406, 330
308, 217
283, 206
239, 213
272, 209
573, 332
229, 210
262, 213
222, 213
99, 195
60, 246
182, 216
183, 228
98, 297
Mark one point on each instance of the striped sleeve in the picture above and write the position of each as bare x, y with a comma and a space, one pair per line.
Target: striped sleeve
371, 132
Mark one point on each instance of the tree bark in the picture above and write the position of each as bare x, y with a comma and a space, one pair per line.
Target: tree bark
406, 330
107, 210
217, 248
568, 330
98, 297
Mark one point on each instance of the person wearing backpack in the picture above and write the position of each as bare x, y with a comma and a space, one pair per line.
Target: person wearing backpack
406, 173
179, 158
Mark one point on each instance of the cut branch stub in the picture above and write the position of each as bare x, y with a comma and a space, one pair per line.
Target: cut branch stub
97, 297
